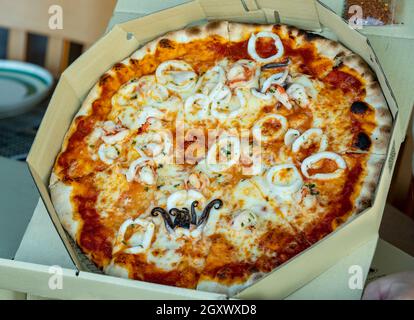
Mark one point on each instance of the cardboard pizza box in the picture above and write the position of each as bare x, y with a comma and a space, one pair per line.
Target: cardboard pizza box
76, 82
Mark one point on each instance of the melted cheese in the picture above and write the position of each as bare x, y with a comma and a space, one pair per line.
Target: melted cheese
111, 185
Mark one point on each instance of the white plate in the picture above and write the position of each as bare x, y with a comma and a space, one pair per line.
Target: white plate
22, 86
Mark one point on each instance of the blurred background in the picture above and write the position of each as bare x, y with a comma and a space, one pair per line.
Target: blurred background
30, 32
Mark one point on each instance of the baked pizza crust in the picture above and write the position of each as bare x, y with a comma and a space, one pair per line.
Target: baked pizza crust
355, 62
367, 192
116, 270
381, 136
61, 198
241, 31
230, 290
215, 28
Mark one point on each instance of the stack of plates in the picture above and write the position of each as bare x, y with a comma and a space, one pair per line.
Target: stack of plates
22, 86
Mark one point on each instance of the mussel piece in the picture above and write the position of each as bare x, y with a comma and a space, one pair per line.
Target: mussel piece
194, 213
359, 107
182, 218
363, 141
216, 204
310, 36
274, 65
167, 218
339, 59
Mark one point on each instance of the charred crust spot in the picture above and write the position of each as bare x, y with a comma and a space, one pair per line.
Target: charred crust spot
338, 221
361, 64
367, 73
213, 25
277, 28
252, 24
334, 45
365, 203
359, 107
309, 36
193, 31
294, 32
386, 129
105, 79
339, 58
374, 86
340, 55
382, 112
363, 141
166, 44
363, 67
351, 59
118, 66
134, 62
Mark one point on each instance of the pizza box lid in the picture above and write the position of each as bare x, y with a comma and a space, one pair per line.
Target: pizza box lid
77, 80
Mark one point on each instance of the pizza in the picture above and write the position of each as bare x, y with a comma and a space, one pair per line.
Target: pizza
214, 154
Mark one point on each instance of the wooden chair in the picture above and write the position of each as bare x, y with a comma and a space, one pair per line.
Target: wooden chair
84, 21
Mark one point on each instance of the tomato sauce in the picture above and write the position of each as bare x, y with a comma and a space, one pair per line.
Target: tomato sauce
183, 276
340, 207
94, 237
265, 48
237, 50
344, 81
323, 166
